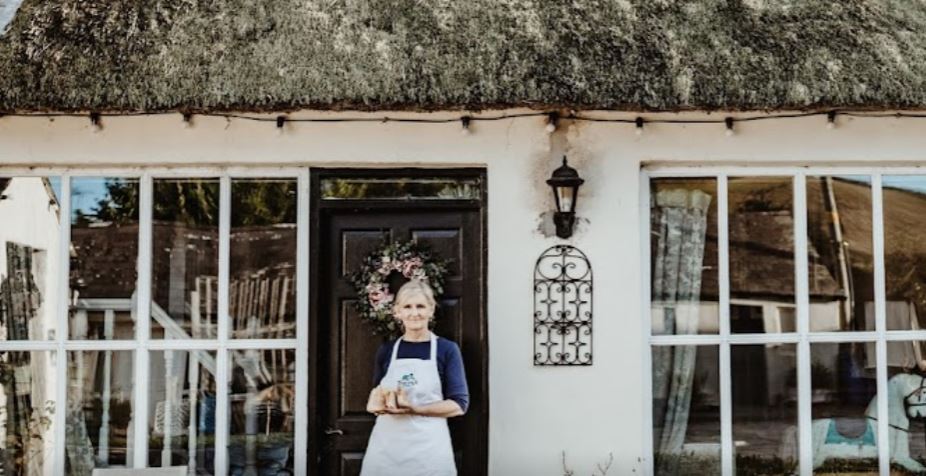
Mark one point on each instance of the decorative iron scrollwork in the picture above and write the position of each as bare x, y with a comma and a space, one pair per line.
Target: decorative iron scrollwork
563, 307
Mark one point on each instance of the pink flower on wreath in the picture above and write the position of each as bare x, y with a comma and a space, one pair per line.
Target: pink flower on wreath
409, 267
379, 298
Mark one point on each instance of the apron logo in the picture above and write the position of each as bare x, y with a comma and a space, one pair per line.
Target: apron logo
408, 381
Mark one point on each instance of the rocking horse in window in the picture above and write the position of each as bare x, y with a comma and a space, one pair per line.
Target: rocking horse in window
906, 397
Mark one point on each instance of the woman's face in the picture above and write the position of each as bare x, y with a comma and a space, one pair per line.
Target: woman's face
414, 311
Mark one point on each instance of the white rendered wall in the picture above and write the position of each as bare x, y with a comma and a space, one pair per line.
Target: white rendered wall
536, 413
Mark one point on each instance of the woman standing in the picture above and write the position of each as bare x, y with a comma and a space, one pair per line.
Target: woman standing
412, 438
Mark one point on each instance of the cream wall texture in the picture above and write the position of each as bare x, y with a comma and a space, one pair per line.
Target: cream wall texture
536, 413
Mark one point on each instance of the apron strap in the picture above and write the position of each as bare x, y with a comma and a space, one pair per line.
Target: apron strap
395, 351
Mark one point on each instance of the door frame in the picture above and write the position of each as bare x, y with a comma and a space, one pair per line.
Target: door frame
317, 207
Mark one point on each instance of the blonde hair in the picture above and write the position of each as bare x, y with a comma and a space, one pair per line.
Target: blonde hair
412, 287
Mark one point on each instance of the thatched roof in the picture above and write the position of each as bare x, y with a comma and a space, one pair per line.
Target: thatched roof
666, 55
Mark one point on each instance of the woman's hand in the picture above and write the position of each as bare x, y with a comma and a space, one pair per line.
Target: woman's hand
376, 403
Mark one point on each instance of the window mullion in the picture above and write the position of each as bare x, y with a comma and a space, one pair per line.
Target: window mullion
142, 322
646, 297
877, 214
726, 386
802, 287
300, 463
222, 364
61, 361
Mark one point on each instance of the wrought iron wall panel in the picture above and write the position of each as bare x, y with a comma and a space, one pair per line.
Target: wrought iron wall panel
563, 307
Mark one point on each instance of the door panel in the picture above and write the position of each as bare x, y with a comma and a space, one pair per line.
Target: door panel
344, 348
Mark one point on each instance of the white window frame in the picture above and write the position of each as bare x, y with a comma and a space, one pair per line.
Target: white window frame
142, 345
803, 338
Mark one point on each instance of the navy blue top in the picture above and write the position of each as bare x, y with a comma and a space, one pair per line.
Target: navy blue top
449, 365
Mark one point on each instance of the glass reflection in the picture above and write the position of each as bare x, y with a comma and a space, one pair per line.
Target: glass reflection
907, 406
401, 188
844, 409
104, 243
683, 256
686, 410
905, 251
764, 390
27, 407
262, 290
29, 257
182, 414
99, 410
761, 247
261, 398
839, 253
185, 258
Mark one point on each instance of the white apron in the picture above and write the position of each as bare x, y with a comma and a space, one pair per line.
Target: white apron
411, 445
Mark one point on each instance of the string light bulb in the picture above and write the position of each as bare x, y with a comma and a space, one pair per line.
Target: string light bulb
729, 123
281, 122
464, 122
187, 120
639, 122
831, 120
95, 123
552, 120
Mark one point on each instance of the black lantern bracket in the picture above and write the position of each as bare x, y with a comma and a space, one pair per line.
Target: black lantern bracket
565, 183
563, 307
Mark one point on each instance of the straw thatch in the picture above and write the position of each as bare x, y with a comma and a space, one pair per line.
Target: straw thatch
668, 55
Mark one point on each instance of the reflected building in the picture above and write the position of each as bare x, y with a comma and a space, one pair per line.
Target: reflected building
29, 271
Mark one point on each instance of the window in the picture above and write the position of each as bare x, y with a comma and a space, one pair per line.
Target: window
785, 320
139, 327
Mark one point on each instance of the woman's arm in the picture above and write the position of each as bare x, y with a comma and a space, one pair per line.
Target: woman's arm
443, 409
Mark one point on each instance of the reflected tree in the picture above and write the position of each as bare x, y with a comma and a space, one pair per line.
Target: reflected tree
255, 202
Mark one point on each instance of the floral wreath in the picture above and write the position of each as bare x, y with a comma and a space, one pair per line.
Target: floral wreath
384, 270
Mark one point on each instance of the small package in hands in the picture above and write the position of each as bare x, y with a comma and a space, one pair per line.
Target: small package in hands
382, 399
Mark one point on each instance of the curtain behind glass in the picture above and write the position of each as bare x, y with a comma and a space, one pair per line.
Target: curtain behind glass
680, 221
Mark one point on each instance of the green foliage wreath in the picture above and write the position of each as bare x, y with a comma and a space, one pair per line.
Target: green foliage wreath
381, 274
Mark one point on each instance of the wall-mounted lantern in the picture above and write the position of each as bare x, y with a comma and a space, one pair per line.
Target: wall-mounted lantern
565, 182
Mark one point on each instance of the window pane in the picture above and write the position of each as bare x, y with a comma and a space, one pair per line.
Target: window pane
906, 399
99, 410
29, 244
262, 290
761, 245
683, 256
181, 417
185, 258
261, 394
905, 251
27, 404
686, 410
764, 389
839, 253
401, 188
844, 387
104, 243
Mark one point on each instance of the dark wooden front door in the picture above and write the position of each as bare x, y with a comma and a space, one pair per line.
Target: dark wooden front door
343, 347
